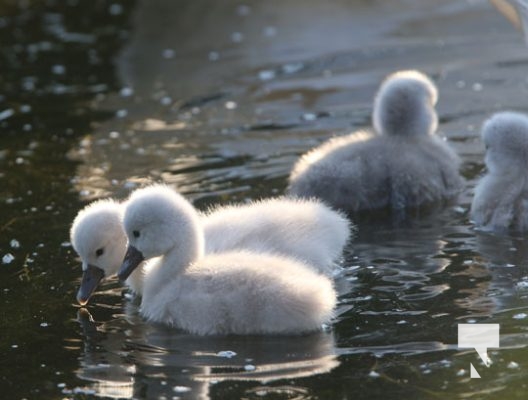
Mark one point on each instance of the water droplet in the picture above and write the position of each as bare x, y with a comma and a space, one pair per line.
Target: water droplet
309, 117
15, 244
520, 316
226, 354
115, 9
114, 135
58, 69
121, 113
374, 374
44, 325
181, 389
231, 105
237, 37
477, 87
461, 372
166, 101
213, 56
243, 10
512, 365
8, 258
266, 74
168, 54
269, 31
249, 367
25, 108
6, 114
126, 92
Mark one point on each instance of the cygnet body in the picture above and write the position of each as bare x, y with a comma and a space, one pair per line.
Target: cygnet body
501, 197
304, 229
401, 164
234, 292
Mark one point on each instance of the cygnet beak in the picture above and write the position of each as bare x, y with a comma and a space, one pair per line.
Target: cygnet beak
90, 279
133, 258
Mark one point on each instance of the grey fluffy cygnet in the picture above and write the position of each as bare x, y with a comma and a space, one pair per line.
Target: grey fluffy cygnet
501, 197
232, 292
401, 164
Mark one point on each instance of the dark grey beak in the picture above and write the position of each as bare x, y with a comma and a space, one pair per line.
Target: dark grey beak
133, 258
90, 279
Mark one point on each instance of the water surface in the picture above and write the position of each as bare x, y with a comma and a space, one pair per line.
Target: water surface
220, 100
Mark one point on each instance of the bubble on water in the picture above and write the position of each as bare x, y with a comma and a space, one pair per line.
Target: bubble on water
520, 316
126, 91
44, 324
512, 365
58, 69
461, 84
8, 258
401, 322
114, 135
477, 87
14, 346
181, 389
213, 55
61, 385
226, 354
249, 367
243, 10
309, 117
231, 105
6, 114
15, 244
522, 284
166, 100
292, 68
373, 374
25, 108
168, 54
115, 9
237, 37
121, 113
266, 75
461, 372
269, 31
471, 321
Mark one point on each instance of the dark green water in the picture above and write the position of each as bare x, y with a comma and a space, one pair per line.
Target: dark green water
219, 99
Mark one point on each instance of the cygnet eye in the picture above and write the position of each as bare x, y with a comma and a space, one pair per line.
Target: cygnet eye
136, 234
99, 252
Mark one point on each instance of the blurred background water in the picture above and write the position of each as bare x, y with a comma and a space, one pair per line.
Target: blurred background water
219, 99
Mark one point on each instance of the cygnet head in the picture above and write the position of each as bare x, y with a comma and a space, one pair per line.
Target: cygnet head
505, 136
405, 105
159, 221
97, 235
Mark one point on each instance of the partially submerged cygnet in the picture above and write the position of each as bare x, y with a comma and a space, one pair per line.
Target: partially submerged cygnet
304, 229
237, 292
401, 164
98, 237
501, 196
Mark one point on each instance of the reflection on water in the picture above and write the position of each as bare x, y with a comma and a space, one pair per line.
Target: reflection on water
138, 359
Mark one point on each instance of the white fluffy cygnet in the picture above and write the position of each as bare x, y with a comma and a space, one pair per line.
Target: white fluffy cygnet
401, 164
234, 292
304, 229
501, 197
98, 237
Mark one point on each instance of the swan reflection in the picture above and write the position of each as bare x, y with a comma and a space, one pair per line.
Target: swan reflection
125, 357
